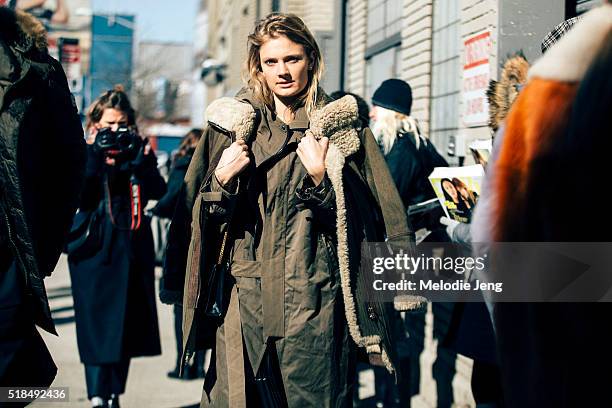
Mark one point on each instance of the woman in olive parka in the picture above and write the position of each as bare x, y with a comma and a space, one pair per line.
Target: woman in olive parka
300, 185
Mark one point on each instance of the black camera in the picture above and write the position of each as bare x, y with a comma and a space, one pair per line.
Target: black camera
122, 144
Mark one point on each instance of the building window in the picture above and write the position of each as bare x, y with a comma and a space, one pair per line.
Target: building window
380, 67
275, 5
384, 20
446, 73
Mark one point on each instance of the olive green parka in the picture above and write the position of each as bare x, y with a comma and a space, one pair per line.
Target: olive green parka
295, 252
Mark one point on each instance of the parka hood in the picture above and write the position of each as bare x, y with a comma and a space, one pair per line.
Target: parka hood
501, 94
22, 30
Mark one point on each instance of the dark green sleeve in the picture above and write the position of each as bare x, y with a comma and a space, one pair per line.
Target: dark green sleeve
398, 230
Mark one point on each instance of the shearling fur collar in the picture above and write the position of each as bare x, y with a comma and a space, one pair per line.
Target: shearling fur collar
569, 59
336, 120
22, 31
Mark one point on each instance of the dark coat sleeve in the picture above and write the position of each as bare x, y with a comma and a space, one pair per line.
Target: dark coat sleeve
403, 167
165, 206
59, 185
92, 188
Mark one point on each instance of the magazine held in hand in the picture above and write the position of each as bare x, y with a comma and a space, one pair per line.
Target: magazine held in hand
458, 189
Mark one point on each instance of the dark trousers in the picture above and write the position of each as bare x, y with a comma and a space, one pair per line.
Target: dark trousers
24, 359
106, 379
178, 333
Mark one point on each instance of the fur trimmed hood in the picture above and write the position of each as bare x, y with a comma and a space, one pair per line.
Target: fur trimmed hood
22, 30
501, 94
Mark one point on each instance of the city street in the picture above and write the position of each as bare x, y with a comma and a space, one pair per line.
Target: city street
368, 203
147, 384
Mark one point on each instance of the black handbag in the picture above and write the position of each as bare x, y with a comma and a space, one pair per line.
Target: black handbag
86, 234
215, 297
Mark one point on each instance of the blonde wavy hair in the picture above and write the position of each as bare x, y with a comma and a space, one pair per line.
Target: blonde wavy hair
292, 27
389, 124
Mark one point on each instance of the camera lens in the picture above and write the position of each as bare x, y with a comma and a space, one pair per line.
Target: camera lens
124, 140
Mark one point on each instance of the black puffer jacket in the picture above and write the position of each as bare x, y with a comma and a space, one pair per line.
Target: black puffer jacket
42, 156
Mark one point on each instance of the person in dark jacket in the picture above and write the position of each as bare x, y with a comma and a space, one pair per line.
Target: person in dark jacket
410, 156
165, 209
42, 152
180, 162
113, 282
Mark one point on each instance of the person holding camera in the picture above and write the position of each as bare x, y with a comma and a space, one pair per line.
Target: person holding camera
111, 255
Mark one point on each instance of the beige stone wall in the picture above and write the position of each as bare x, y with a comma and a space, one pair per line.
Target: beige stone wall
318, 15
230, 22
416, 56
293, 6
357, 26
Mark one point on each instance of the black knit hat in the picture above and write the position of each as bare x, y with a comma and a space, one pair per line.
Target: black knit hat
394, 94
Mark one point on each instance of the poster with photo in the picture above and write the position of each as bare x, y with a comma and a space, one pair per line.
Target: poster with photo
458, 189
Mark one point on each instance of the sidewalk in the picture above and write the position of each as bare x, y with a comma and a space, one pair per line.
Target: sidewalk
147, 384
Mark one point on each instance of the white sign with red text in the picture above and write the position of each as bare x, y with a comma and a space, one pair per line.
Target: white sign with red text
70, 54
476, 76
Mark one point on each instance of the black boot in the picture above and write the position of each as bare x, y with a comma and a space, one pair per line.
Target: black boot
113, 402
174, 373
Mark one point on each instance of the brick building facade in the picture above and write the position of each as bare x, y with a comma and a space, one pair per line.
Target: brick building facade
427, 42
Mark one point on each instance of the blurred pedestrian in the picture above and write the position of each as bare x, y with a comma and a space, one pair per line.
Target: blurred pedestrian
410, 156
559, 125
470, 331
43, 157
165, 209
111, 258
290, 216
